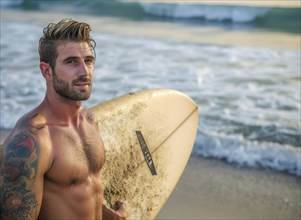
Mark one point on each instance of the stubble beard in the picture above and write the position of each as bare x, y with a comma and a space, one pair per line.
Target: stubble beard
67, 91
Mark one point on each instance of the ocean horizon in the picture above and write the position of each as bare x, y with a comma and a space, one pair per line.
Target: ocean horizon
239, 63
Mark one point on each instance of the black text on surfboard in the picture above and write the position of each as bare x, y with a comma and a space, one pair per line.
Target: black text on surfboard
147, 155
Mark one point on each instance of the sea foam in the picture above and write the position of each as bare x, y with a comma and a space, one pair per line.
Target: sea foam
207, 12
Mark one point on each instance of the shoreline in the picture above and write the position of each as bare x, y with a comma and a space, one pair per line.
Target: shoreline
165, 30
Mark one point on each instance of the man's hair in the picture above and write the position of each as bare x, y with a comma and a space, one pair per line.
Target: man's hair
65, 30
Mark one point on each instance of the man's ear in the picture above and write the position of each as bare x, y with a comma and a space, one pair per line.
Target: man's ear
46, 71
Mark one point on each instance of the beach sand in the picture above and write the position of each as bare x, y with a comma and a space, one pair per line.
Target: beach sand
208, 188
213, 189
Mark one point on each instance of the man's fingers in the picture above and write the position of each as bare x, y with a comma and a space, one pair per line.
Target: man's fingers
120, 208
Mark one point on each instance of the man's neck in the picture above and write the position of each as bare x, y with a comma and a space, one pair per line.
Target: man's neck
62, 109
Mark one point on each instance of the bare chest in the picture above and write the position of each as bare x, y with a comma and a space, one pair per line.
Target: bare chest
77, 154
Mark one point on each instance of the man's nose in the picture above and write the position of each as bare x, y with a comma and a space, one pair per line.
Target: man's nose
83, 69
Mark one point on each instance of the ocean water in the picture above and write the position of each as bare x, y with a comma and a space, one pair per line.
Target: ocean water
249, 98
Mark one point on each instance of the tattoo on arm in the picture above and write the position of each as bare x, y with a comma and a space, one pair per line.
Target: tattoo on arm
20, 164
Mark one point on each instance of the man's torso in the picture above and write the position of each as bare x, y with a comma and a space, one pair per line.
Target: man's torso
72, 186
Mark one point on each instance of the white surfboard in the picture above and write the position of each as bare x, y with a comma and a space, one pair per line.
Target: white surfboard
148, 138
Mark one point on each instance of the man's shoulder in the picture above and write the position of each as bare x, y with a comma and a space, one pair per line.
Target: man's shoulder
27, 141
31, 121
28, 126
90, 116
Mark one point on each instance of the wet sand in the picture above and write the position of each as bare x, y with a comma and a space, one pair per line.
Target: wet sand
213, 189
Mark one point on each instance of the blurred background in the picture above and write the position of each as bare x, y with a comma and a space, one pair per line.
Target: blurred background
239, 60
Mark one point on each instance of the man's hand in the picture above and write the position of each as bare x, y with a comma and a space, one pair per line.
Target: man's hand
117, 214
120, 208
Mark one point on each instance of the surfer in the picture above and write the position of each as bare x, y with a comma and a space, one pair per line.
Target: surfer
51, 161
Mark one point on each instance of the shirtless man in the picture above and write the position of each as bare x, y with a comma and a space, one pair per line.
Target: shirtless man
51, 161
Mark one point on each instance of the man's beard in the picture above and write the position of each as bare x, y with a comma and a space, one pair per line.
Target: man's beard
65, 90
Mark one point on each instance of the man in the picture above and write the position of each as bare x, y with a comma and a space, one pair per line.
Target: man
51, 161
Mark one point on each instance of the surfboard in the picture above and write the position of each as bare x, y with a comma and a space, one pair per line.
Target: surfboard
148, 138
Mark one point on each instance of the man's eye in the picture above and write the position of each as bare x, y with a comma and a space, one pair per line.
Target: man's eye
89, 61
71, 61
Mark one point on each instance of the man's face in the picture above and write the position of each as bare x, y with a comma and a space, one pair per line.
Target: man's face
74, 71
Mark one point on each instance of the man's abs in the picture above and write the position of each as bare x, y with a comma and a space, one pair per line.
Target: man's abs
78, 200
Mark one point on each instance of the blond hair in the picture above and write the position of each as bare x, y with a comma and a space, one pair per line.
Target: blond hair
65, 30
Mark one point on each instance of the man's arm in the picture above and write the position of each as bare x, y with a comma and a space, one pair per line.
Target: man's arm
22, 185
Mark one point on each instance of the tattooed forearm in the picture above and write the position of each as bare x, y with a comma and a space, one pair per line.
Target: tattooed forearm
20, 163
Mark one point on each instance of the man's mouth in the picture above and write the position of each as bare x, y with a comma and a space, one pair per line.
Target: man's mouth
82, 83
